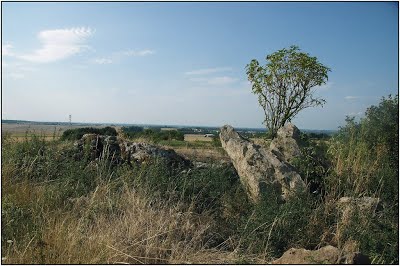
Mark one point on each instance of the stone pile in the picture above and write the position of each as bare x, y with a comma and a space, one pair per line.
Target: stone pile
118, 150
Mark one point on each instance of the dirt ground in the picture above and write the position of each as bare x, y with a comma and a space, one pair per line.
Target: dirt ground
194, 137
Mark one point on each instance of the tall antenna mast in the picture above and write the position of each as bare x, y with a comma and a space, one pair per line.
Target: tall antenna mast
70, 123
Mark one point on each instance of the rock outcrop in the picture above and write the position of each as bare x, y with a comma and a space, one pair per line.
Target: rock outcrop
118, 150
287, 142
325, 255
352, 209
140, 152
259, 168
363, 204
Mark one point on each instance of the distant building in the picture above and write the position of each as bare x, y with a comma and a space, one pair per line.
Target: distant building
208, 135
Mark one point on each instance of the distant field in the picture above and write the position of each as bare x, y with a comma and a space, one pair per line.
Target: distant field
20, 130
194, 137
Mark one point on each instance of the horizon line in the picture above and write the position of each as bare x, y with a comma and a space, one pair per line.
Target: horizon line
149, 124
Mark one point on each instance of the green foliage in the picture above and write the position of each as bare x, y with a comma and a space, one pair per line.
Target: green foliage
365, 163
284, 85
359, 161
77, 133
273, 227
17, 222
132, 129
377, 235
381, 127
154, 134
366, 153
216, 141
313, 165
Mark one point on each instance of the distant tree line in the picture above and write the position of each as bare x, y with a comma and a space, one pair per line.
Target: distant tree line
154, 134
77, 133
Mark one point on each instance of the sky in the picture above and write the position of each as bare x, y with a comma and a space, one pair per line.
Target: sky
184, 63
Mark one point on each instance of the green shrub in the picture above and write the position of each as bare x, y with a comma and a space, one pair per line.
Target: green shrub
314, 166
77, 133
365, 163
365, 153
273, 227
155, 134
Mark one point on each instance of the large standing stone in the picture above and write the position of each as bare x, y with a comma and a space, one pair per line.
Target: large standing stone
259, 168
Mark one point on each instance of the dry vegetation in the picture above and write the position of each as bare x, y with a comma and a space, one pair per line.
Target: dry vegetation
57, 210
196, 137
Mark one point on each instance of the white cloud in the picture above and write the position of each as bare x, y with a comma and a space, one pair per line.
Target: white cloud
208, 71
6, 50
325, 87
14, 75
350, 98
222, 80
59, 44
102, 61
355, 114
16, 70
138, 52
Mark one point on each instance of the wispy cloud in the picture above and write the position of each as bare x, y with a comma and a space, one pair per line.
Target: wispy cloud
208, 71
14, 75
6, 50
102, 61
117, 56
355, 114
224, 80
351, 98
144, 52
59, 44
325, 87
16, 70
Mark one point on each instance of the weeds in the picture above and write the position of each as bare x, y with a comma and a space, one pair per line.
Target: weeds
59, 210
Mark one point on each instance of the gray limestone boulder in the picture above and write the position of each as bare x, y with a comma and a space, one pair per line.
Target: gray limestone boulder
259, 168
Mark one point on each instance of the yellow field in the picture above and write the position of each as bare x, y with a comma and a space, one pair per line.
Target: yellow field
194, 137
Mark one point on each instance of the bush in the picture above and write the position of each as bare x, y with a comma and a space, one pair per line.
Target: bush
77, 133
365, 153
365, 163
154, 134
132, 129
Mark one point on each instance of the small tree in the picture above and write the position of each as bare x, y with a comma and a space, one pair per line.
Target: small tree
284, 85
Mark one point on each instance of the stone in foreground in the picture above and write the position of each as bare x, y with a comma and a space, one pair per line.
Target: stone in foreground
259, 168
325, 255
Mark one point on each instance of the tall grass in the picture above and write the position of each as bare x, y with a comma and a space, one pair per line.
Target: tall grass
56, 209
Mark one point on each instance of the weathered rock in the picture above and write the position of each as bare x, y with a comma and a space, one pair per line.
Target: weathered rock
325, 255
259, 168
363, 204
349, 208
118, 150
287, 142
142, 152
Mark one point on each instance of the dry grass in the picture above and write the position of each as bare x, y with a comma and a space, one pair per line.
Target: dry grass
102, 228
196, 137
203, 154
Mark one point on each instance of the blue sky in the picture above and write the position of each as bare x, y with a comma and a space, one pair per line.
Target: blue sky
184, 63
